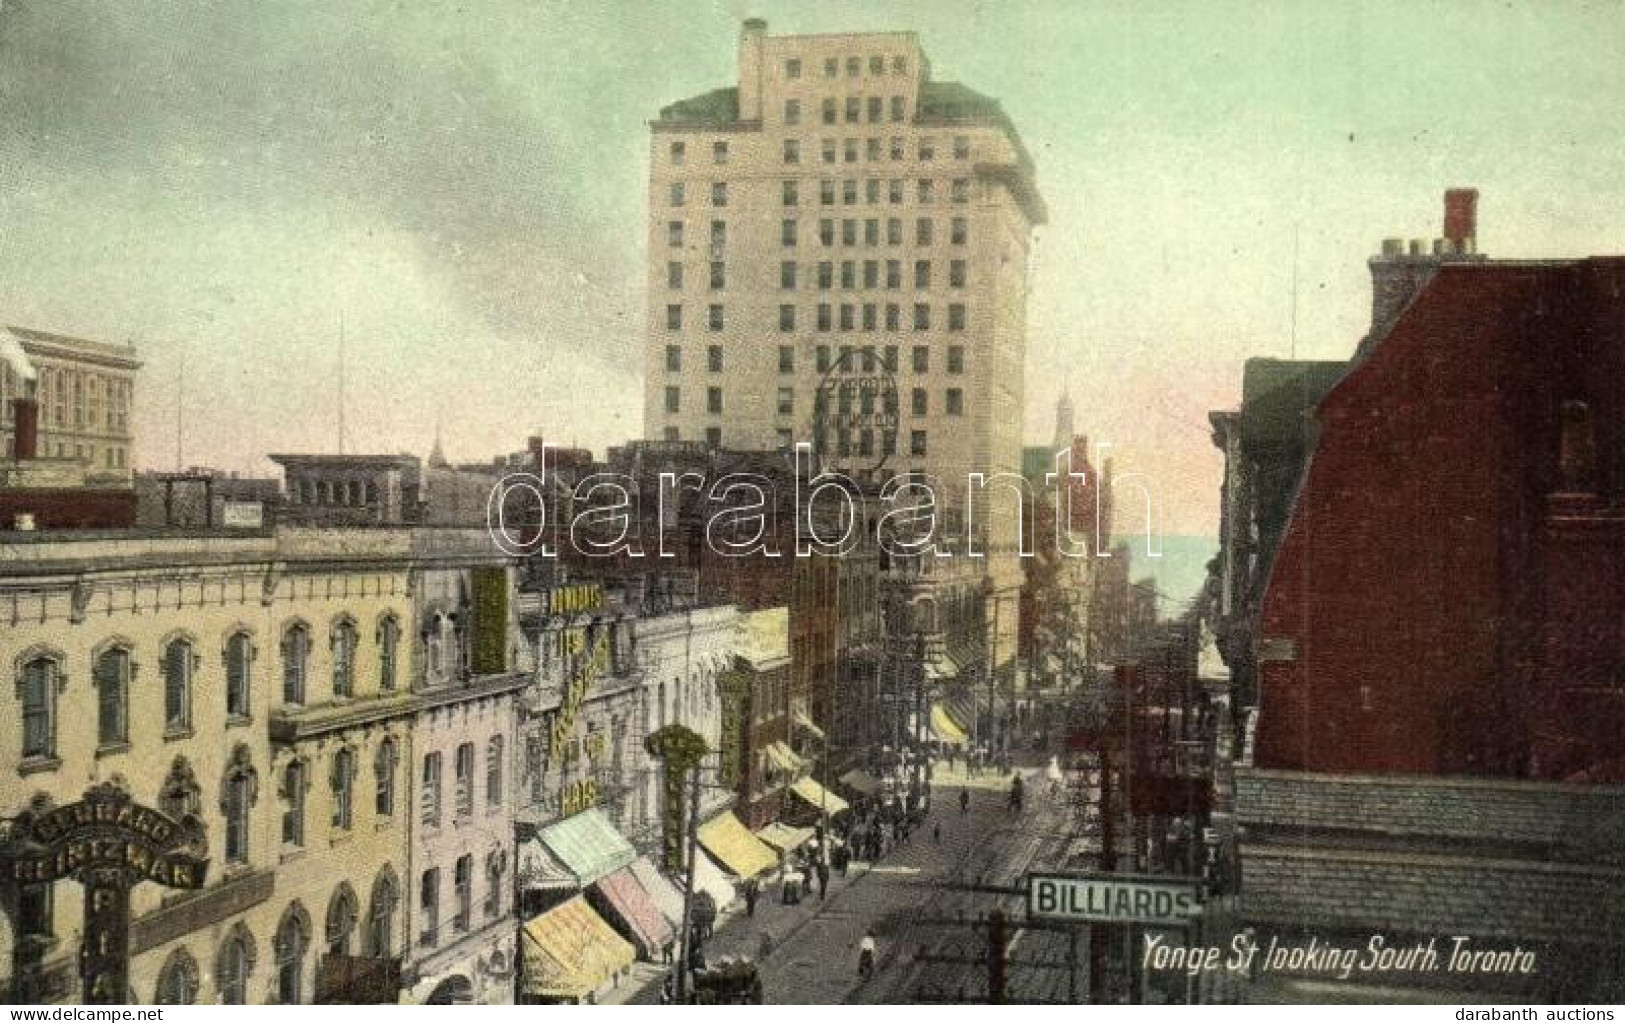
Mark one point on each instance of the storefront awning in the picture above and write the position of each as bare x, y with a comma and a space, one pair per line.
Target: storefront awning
783, 837
709, 879
784, 758
570, 952
805, 723
818, 797
540, 870
939, 667
735, 847
588, 845
945, 729
861, 782
661, 891
634, 913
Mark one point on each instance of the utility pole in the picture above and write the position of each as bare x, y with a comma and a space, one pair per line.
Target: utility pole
997, 967
685, 940
1108, 864
918, 674
992, 674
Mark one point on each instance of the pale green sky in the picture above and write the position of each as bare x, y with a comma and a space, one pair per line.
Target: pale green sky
463, 185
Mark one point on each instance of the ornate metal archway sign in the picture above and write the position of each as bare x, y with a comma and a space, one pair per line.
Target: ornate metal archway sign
109, 844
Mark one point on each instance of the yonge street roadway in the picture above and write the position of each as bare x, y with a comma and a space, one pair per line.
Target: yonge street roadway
920, 901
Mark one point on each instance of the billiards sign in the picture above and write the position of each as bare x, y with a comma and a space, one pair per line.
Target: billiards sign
1113, 899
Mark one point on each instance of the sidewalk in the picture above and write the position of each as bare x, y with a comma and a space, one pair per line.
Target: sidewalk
738, 934
814, 944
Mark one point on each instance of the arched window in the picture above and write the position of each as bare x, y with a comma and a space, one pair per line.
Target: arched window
389, 638
111, 675
239, 790
341, 921
463, 885
37, 686
178, 980
386, 895
292, 942
178, 687
434, 643
295, 659
295, 782
344, 647
493, 772
496, 866
239, 663
342, 781
235, 966
384, 777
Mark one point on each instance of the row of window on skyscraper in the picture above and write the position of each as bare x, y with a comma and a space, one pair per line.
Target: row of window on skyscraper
849, 316
789, 233
824, 275
919, 404
877, 64
852, 358
925, 191
846, 444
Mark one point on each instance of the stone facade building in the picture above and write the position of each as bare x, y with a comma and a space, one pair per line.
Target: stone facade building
86, 395
250, 681
469, 673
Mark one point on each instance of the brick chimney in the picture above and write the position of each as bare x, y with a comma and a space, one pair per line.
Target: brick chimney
1461, 218
1398, 273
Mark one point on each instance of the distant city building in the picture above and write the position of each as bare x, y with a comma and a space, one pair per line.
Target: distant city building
838, 254
86, 395
352, 490
65, 427
202, 498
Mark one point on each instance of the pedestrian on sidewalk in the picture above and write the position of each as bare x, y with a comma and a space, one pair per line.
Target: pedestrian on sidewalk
823, 879
964, 800
936, 833
753, 889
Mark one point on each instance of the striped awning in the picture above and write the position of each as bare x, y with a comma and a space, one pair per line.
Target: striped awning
861, 782
727, 838
588, 845
570, 952
940, 667
805, 723
945, 729
634, 913
541, 870
783, 837
818, 797
710, 880
661, 891
785, 758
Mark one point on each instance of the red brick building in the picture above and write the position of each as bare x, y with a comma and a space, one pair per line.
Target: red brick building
1446, 598
1422, 570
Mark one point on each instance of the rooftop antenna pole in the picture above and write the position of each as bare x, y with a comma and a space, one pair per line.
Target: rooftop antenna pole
341, 383
1294, 333
180, 400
